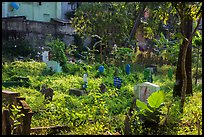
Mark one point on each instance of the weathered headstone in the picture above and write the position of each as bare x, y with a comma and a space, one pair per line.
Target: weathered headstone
85, 81
152, 67
48, 92
170, 73
55, 66
117, 81
127, 69
76, 92
45, 56
143, 90
102, 88
148, 75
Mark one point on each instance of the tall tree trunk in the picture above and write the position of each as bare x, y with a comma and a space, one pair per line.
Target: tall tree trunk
178, 84
137, 20
187, 28
189, 90
183, 84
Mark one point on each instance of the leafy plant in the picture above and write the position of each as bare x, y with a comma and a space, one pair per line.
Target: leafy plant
168, 49
15, 116
149, 114
98, 113
58, 51
123, 54
13, 49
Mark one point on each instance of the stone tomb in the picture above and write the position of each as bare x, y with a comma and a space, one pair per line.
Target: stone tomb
48, 92
143, 90
76, 92
55, 66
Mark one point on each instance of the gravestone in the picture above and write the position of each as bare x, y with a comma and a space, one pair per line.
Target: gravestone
117, 82
102, 88
143, 90
76, 92
48, 92
85, 81
45, 56
152, 67
127, 69
170, 73
55, 66
148, 75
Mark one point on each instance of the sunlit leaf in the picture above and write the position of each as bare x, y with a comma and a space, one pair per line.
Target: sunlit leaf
156, 99
142, 105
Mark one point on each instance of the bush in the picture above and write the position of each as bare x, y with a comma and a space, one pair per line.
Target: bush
17, 48
25, 69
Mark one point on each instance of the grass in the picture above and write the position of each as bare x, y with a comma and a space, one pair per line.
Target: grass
95, 112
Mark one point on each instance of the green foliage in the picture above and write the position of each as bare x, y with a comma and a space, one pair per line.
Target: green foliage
156, 99
13, 49
148, 115
15, 115
98, 18
58, 51
168, 49
142, 105
95, 112
25, 69
123, 54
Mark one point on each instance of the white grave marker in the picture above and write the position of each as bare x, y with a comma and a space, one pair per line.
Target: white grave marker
45, 56
143, 90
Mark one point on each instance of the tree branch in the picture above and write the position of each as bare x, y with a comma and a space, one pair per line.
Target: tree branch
190, 38
180, 15
137, 21
200, 11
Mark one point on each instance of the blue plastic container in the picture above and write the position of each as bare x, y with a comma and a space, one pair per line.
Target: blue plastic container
101, 69
127, 69
15, 5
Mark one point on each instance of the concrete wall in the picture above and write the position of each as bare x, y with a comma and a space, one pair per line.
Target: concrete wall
4, 9
35, 31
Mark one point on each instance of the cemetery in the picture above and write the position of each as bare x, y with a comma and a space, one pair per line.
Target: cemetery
114, 90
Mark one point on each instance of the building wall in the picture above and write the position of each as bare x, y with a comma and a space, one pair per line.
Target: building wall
65, 7
33, 10
4, 9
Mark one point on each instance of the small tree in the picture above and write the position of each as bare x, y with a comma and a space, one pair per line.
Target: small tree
58, 51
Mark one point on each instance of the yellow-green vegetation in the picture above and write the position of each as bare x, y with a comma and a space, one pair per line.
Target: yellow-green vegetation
96, 112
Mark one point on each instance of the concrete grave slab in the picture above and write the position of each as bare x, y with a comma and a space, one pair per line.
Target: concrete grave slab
143, 90
54, 65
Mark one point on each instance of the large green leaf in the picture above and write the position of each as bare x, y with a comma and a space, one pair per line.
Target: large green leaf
142, 105
156, 99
